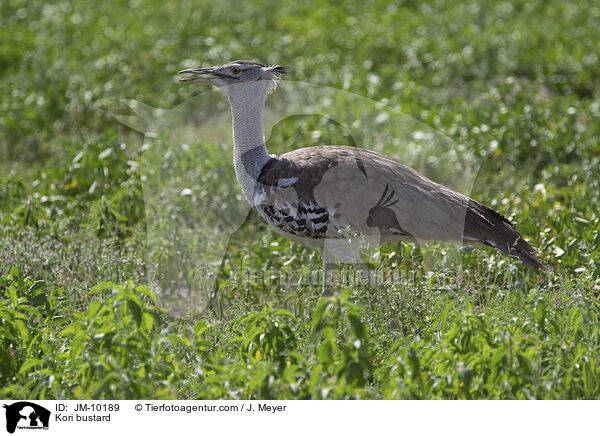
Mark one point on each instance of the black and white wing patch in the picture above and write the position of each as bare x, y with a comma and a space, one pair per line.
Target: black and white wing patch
303, 220
284, 196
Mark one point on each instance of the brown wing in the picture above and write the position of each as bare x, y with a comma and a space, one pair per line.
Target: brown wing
369, 191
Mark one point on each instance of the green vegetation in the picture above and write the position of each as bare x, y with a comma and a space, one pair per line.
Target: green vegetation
87, 285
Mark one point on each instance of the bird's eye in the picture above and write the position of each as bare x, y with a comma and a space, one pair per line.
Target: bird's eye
235, 70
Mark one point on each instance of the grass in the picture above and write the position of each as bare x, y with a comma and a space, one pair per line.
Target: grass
108, 290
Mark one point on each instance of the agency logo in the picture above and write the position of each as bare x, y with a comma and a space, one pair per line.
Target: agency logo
26, 415
198, 208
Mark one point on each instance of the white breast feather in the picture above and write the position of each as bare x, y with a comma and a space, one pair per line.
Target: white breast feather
260, 195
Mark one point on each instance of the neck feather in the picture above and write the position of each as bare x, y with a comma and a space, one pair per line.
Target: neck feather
249, 150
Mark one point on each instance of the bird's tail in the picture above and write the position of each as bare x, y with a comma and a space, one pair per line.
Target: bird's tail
486, 226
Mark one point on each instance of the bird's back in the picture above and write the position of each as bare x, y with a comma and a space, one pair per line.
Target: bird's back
320, 192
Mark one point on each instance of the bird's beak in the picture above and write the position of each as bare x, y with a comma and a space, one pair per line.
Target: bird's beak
279, 69
208, 73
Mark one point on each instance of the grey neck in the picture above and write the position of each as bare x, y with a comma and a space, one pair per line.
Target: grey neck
249, 150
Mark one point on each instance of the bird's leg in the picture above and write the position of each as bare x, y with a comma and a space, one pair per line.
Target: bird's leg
364, 272
348, 256
327, 288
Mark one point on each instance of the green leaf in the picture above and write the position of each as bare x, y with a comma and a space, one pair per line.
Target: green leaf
358, 327
92, 309
38, 299
30, 363
199, 328
69, 331
14, 273
179, 339
589, 383
146, 291
498, 356
37, 285
540, 313
6, 362
148, 320
23, 331
135, 310
12, 294
105, 285
324, 353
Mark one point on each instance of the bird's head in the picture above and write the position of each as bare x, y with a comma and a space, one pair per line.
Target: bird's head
239, 79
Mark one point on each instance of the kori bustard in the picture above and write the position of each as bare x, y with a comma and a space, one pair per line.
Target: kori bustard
334, 198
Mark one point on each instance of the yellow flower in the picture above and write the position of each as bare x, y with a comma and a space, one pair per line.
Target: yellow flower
71, 185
